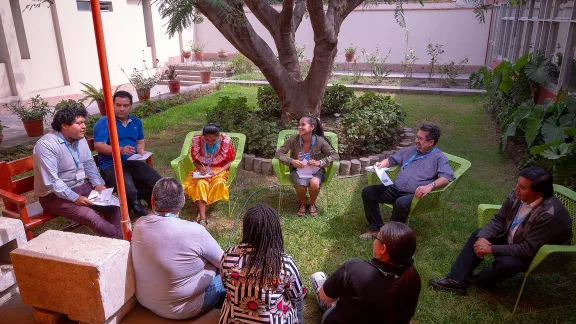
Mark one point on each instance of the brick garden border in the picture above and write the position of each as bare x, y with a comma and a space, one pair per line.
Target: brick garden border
259, 165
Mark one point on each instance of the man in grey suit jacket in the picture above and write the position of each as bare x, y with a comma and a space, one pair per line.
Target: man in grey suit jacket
530, 217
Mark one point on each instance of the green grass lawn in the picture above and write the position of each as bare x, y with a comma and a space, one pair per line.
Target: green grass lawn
324, 242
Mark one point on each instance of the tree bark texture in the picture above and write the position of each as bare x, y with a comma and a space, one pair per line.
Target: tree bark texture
299, 95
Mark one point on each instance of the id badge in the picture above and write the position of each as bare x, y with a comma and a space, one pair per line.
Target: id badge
80, 174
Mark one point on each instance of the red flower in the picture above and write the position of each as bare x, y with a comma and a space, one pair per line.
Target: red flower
228, 297
235, 275
305, 290
287, 285
276, 283
286, 309
252, 305
279, 306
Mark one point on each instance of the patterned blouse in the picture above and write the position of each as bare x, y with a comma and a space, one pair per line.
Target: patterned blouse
249, 303
224, 155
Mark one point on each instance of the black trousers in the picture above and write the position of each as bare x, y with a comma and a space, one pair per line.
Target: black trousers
373, 196
139, 180
502, 268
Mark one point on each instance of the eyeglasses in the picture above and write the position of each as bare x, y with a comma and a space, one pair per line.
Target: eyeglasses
375, 236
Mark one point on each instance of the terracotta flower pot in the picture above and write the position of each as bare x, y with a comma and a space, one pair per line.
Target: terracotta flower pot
186, 54
34, 128
101, 107
174, 86
144, 95
349, 57
198, 56
205, 76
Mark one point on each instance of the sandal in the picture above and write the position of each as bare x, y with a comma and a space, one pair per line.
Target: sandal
202, 222
315, 212
301, 212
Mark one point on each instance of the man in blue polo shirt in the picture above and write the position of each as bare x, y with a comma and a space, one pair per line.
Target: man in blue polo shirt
139, 177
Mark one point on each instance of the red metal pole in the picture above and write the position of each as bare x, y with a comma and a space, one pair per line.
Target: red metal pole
101, 48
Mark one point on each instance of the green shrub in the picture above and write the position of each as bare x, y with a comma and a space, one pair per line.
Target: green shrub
90, 122
373, 125
335, 99
269, 102
261, 136
229, 114
241, 64
150, 107
65, 102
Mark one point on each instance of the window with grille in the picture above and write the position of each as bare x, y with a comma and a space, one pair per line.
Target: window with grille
85, 5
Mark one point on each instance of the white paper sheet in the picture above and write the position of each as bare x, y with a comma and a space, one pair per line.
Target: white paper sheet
104, 198
199, 175
138, 157
382, 175
308, 171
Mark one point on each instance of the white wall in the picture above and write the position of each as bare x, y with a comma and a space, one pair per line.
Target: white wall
125, 40
449, 23
4, 83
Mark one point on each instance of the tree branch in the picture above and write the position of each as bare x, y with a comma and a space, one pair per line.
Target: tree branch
265, 13
299, 11
317, 18
286, 13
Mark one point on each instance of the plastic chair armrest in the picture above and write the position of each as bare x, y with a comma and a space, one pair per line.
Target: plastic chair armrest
332, 170
548, 250
181, 166
277, 166
233, 171
486, 212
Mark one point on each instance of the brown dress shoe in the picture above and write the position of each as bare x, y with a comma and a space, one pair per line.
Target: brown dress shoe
448, 284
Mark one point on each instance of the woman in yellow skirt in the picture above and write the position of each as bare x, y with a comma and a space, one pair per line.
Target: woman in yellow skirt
212, 154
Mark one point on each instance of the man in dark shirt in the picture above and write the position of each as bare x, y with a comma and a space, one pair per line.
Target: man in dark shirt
530, 217
423, 168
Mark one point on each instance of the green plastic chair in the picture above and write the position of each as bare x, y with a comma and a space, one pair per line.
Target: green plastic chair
283, 171
549, 258
430, 202
183, 164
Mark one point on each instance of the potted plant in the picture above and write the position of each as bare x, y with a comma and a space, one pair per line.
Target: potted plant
70, 102
198, 50
2, 134
349, 52
187, 53
206, 73
92, 94
32, 116
223, 54
143, 84
170, 74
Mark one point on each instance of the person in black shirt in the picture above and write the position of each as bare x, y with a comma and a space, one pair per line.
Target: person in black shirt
382, 290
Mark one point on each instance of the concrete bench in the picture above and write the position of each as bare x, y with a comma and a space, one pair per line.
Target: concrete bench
12, 236
88, 278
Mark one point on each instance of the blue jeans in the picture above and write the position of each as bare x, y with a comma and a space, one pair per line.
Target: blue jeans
214, 295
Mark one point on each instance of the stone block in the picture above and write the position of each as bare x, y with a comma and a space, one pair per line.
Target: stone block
355, 167
257, 165
407, 129
344, 169
364, 162
88, 278
267, 167
409, 135
12, 236
248, 159
241, 164
405, 143
374, 159
398, 148
388, 154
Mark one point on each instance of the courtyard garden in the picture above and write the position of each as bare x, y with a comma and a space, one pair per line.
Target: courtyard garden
324, 242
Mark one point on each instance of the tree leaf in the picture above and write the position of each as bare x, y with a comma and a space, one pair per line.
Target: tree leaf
570, 131
510, 131
556, 152
565, 169
551, 131
533, 125
536, 150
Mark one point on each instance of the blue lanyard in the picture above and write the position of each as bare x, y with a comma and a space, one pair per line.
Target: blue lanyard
307, 156
166, 215
210, 161
518, 219
414, 158
70, 149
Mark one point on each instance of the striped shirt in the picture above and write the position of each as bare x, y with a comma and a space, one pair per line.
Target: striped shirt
251, 304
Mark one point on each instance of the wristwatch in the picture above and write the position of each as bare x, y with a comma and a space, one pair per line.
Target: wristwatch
433, 184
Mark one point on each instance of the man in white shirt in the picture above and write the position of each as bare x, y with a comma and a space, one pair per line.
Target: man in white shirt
65, 173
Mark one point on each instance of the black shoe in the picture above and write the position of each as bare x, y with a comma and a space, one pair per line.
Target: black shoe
474, 279
448, 284
138, 209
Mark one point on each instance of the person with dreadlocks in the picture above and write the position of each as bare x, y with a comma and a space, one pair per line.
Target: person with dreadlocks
382, 290
307, 148
262, 282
